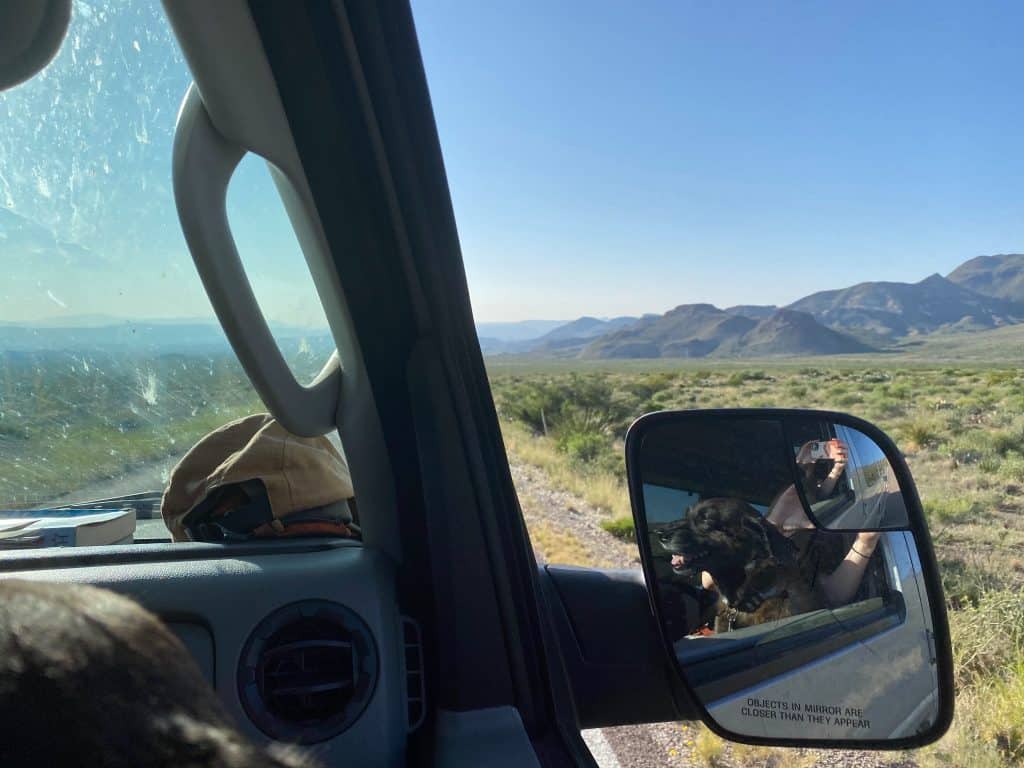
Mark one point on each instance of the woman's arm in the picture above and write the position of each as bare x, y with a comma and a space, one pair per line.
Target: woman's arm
706, 581
842, 584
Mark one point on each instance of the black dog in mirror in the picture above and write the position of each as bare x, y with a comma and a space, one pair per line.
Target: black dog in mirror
754, 567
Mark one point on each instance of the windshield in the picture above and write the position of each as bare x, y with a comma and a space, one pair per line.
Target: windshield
111, 362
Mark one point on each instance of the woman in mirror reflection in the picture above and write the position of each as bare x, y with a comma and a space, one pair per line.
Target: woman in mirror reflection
829, 565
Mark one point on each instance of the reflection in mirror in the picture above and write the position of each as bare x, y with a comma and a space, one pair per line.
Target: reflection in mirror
782, 627
847, 480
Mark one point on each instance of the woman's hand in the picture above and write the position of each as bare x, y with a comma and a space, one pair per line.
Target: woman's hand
803, 456
839, 453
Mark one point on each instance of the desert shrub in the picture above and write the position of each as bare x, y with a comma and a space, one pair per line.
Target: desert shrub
965, 583
740, 377
988, 636
970, 446
1000, 377
847, 399
921, 433
582, 447
573, 404
989, 465
556, 546
645, 387
875, 377
900, 391
1012, 468
709, 747
951, 509
620, 527
1004, 725
1006, 442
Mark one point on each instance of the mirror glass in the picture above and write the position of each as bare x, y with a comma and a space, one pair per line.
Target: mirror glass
789, 617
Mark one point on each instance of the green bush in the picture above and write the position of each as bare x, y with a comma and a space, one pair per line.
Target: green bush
569, 404
620, 527
1012, 468
1005, 442
955, 509
988, 635
582, 447
965, 585
920, 433
739, 377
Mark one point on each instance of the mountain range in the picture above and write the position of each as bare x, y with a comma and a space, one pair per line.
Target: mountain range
97, 332
983, 293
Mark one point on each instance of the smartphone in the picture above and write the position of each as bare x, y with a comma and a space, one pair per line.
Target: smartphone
819, 450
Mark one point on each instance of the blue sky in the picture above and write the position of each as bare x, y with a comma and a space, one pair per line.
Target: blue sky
85, 160
604, 158
614, 158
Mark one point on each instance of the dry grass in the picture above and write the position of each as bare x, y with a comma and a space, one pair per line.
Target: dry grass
708, 748
601, 490
559, 546
963, 433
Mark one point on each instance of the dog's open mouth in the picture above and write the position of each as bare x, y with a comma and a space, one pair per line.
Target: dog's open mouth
683, 563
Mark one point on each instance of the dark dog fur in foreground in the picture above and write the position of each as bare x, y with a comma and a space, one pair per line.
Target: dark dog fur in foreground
755, 567
89, 678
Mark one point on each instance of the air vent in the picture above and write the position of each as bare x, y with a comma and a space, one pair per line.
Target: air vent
414, 683
307, 671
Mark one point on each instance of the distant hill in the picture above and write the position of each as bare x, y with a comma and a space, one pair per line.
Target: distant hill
1000, 276
690, 330
570, 338
998, 344
492, 346
143, 336
886, 311
521, 330
791, 333
565, 338
585, 328
753, 311
982, 295
702, 330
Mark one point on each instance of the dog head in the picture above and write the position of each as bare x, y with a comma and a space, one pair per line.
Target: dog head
712, 531
725, 537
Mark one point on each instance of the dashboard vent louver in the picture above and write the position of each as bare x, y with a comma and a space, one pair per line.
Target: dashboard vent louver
414, 683
307, 671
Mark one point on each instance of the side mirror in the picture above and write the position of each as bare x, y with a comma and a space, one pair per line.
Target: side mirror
793, 578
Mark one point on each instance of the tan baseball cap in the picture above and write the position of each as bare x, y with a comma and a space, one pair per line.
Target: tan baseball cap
298, 473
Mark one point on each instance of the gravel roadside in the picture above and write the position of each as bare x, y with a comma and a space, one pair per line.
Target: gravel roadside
657, 744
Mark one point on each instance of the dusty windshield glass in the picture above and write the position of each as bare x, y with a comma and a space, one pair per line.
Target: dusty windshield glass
111, 362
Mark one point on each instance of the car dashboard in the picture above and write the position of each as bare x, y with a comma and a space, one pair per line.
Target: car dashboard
302, 640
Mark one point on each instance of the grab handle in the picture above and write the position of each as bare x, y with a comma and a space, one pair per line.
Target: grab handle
203, 163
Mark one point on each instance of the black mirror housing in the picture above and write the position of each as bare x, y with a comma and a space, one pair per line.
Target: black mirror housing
792, 575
